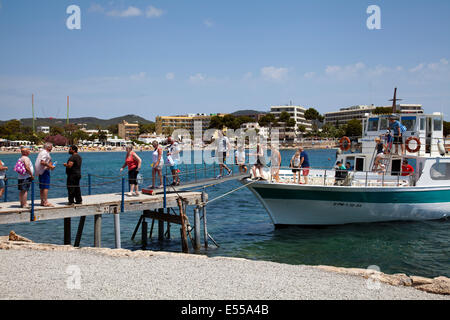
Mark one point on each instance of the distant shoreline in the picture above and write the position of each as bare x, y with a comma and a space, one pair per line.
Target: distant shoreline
149, 150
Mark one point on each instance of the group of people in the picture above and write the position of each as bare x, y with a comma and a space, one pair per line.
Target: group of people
41, 170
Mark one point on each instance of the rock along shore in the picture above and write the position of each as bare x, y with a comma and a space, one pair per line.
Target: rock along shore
44, 271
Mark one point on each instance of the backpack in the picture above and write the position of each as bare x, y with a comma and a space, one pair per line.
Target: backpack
402, 128
20, 167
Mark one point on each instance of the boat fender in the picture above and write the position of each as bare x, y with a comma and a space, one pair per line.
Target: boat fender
417, 140
345, 144
441, 148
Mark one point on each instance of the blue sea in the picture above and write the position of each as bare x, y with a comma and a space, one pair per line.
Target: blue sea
242, 228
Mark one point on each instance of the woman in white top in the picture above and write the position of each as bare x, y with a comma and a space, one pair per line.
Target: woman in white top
295, 165
239, 159
157, 164
275, 162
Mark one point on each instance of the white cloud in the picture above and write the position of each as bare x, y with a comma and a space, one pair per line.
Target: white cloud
197, 78
129, 12
170, 76
273, 73
153, 12
139, 76
309, 75
417, 68
208, 23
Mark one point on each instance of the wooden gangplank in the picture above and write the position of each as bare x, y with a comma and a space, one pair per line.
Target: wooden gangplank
93, 205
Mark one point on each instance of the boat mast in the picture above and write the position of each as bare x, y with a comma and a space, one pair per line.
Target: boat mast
394, 102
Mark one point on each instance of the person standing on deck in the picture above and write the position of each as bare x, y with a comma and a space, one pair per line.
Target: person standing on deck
275, 163
133, 161
407, 169
396, 127
25, 179
173, 158
43, 166
3, 170
73, 171
239, 159
304, 164
223, 145
157, 164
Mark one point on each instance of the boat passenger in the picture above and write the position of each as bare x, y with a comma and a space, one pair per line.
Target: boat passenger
396, 127
304, 164
239, 159
275, 162
379, 156
260, 162
223, 145
341, 174
173, 158
407, 169
295, 165
348, 166
389, 139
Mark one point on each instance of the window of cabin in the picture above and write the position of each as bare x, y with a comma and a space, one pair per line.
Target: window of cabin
422, 124
437, 124
384, 124
409, 123
440, 171
373, 124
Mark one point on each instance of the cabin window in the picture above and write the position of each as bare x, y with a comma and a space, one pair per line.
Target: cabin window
437, 124
384, 124
440, 171
422, 124
409, 123
373, 124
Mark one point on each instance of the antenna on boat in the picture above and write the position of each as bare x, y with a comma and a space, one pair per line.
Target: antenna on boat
394, 101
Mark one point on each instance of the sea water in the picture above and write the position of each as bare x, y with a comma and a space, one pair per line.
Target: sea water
242, 228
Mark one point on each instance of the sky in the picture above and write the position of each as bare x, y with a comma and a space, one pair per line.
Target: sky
173, 57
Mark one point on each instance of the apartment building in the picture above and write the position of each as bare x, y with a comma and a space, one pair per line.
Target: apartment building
128, 131
164, 123
296, 112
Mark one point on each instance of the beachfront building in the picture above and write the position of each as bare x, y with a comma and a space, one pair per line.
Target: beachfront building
262, 131
360, 112
148, 138
344, 115
296, 112
128, 131
166, 124
43, 129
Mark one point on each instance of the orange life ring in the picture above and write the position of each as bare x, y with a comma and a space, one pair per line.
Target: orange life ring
343, 146
417, 140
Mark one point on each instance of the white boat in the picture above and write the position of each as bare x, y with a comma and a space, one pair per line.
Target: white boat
366, 196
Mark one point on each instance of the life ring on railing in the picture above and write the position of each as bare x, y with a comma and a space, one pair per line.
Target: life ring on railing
417, 140
345, 143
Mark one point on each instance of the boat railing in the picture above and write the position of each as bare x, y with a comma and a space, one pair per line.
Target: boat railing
336, 177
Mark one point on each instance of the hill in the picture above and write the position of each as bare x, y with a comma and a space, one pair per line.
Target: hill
91, 122
240, 113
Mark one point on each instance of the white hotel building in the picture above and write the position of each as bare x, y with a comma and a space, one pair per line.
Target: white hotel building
296, 112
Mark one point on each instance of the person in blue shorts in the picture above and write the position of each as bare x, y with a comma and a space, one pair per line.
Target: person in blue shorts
395, 126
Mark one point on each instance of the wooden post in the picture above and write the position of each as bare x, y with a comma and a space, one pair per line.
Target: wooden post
205, 228
80, 231
137, 227
117, 230
144, 233
184, 242
98, 230
197, 229
168, 225
160, 227
67, 235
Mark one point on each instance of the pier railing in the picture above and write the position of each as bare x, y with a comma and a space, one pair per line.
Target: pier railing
188, 174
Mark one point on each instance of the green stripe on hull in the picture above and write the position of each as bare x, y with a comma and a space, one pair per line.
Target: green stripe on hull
428, 196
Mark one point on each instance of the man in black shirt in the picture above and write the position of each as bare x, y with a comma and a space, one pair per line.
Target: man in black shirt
73, 171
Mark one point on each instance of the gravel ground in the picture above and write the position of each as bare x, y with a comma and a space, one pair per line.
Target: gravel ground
31, 274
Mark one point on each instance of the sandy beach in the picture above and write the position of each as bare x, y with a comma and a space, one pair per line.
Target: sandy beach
52, 272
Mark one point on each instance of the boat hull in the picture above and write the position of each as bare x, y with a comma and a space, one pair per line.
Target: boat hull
317, 205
